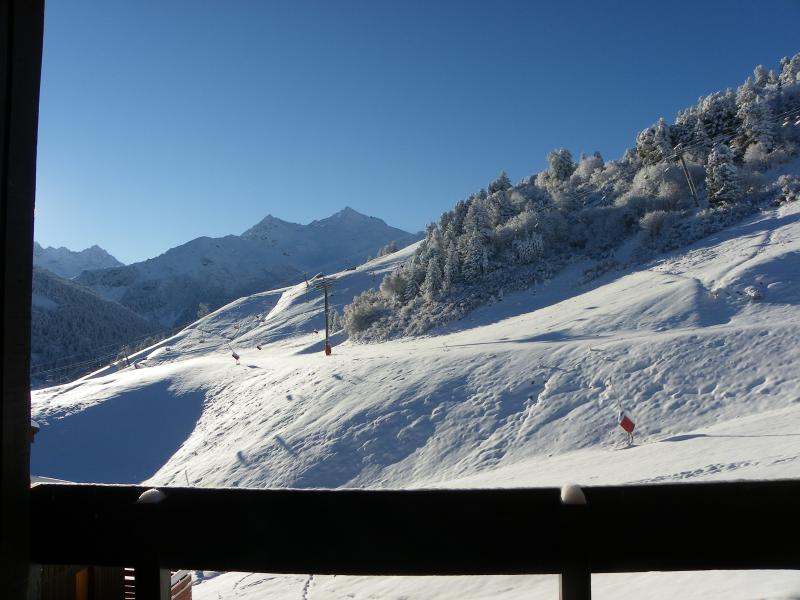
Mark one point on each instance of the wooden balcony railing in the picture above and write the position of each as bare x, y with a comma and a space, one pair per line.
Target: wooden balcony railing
666, 527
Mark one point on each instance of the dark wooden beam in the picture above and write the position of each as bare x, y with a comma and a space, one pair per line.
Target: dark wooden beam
21, 24
736, 525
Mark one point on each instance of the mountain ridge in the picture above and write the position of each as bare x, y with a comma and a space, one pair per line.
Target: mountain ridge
215, 270
70, 263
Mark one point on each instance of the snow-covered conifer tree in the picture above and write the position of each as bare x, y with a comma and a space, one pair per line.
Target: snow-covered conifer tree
760, 76
722, 176
717, 112
433, 280
528, 249
500, 184
561, 164
475, 258
654, 143
701, 142
450, 274
500, 207
790, 70
477, 220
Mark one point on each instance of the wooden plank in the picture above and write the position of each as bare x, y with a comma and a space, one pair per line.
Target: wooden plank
730, 525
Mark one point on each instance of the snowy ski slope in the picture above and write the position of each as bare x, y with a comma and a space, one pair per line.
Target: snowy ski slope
520, 393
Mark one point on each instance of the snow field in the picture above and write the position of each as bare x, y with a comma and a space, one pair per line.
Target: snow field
520, 393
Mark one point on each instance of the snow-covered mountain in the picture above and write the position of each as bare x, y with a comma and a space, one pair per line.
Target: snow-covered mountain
73, 330
521, 392
68, 263
169, 288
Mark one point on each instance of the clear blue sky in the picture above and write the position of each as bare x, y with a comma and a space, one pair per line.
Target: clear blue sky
162, 121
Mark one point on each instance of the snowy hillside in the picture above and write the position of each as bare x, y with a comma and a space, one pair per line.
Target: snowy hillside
68, 263
169, 288
72, 327
699, 346
737, 150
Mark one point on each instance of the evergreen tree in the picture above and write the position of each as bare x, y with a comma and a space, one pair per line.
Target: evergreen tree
500, 184
718, 113
561, 164
722, 177
701, 142
433, 280
477, 220
654, 143
790, 70
475, 258
761, 76
529, 248
757, 127
500, 208
450, 275
459, 214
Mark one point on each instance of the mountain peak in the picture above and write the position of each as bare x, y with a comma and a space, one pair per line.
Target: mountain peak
70, 263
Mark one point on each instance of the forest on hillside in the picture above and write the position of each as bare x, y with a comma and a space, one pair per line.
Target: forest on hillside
718, 161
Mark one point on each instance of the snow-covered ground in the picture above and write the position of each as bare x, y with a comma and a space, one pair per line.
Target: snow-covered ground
521, 393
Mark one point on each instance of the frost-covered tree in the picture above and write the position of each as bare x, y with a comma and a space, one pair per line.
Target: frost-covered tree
456, 224
450, 273
561, 164
586, 168
477, 220
432, 287
335, 321
475, 259
717, 113
389, 248
722, 176
790, 70
654, 144
756, 123
760, 76
202, 310
363, 311
393, 286
501, 184
500, 207
528, 249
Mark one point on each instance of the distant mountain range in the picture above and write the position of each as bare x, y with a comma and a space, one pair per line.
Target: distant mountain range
68, 263
167, 289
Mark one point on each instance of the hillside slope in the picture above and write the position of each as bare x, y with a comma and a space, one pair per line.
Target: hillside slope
71, 326
522, 392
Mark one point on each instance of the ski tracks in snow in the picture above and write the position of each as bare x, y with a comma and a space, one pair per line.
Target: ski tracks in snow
307, 587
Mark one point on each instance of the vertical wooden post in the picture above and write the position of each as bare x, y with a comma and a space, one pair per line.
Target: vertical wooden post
151, 581
575, 584
575, 581
21, 25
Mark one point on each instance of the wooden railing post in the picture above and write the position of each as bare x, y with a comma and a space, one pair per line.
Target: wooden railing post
575, 584
575, 580
151, 581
